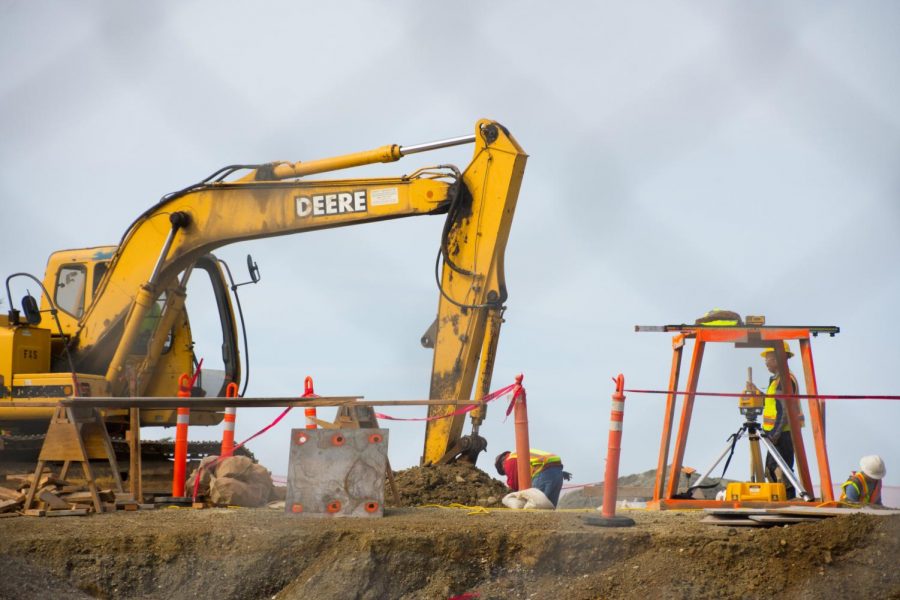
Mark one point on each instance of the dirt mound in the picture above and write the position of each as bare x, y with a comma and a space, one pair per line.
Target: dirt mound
446, 484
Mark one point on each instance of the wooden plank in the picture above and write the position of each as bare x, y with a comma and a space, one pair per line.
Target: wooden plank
105, 496
735, 511
79, 512
9, 505
833, 512
784, 519
52, 500
8, 494
34, 512
26, 479
6, 515
737, 522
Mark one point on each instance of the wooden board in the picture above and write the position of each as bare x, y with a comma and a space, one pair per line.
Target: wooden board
80, 512
105, 496
52, 500
727, 512
736, 522
784, 519
8, 505
8, 494
833, 512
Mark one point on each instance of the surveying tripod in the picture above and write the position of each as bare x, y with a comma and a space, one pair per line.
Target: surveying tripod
751, 406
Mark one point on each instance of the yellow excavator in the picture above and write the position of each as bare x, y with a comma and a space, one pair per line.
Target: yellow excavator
118, 321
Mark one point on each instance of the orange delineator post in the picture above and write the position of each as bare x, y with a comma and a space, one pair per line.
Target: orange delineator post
309, 413
523, 445
614, 449
230, 416
181, 438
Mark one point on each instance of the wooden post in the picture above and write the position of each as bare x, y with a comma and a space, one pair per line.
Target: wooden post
135, 479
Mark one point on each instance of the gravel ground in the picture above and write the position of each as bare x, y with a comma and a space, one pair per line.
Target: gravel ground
440, 553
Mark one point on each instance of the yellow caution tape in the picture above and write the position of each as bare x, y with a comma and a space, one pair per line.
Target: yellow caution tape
473, 510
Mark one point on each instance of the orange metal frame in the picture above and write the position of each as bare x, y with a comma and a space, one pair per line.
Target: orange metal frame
741, 337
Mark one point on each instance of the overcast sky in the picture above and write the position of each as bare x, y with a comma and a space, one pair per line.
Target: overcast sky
683, 156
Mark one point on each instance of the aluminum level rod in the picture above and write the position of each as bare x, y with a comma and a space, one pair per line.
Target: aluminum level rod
457, 141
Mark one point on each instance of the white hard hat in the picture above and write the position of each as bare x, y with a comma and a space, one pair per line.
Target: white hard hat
872, 466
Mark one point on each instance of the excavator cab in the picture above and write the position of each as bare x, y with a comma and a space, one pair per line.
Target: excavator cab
74, 278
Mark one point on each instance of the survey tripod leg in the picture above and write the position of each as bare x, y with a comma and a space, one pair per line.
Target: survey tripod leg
729, 448
788, 472
758, 474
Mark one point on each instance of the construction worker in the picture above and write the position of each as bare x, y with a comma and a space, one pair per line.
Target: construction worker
864, 486
546, 472
776, 424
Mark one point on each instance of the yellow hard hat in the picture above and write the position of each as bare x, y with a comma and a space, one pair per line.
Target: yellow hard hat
787, 350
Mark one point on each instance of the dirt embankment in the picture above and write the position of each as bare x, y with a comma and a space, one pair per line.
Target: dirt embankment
439, 553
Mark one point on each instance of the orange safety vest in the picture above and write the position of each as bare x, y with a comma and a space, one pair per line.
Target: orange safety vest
770, 408
858, 480
539, 460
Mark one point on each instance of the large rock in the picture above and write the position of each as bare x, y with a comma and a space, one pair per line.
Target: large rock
234, 481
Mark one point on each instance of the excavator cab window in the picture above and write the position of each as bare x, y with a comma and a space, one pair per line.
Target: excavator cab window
213, 326
70, 286
100, 270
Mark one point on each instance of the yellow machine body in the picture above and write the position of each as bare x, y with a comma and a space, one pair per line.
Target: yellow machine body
763, 492
122, 311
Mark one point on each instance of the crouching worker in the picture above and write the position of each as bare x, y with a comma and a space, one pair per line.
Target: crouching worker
864, 486
546, 472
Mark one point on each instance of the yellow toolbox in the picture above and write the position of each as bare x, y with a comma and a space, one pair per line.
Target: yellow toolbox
764, 492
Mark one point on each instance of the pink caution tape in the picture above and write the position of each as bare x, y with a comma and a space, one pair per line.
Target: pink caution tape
800, 396
460, 411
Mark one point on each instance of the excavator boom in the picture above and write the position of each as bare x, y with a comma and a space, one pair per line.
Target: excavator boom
136, 312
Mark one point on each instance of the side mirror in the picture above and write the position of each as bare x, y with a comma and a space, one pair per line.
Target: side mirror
253, 269
31, 310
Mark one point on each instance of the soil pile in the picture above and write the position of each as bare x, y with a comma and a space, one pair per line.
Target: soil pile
458, 483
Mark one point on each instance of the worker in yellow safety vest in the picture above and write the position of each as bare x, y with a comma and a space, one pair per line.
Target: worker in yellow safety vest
864, 486
776, 424
546, 472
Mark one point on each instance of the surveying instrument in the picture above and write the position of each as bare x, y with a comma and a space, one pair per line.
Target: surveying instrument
751, 406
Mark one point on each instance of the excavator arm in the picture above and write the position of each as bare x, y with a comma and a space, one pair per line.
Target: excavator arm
160, 249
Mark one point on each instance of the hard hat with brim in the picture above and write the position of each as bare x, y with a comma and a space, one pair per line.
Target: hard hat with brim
787, 350
872, 466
